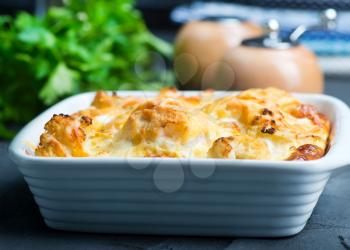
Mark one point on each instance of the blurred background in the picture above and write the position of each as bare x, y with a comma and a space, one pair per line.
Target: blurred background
51, 49
165, 17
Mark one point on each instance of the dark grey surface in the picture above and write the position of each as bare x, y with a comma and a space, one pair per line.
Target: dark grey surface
21, 226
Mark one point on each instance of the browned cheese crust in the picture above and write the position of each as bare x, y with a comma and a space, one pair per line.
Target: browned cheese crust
260, 124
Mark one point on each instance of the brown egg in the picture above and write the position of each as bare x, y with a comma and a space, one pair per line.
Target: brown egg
293, 69
202, 44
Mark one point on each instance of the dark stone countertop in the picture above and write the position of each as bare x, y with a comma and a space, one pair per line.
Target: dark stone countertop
21, 226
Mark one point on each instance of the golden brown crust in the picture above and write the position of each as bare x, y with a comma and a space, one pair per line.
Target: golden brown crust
221, 148
310, 112
239, 147
306, 152
102, 100
255, 124
150, 119
63, 136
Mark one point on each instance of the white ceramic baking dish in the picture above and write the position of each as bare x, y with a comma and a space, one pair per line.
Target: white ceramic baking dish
178, 196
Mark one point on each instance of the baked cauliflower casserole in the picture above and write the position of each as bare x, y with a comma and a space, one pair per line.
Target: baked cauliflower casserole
262, 124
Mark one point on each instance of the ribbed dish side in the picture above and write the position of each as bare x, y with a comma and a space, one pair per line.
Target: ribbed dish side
126, 200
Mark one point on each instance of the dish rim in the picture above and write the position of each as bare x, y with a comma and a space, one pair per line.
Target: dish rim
336, 157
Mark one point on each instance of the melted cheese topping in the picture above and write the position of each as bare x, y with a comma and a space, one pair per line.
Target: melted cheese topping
264, 124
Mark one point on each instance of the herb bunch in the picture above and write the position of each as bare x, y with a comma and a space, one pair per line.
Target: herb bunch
81, 46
